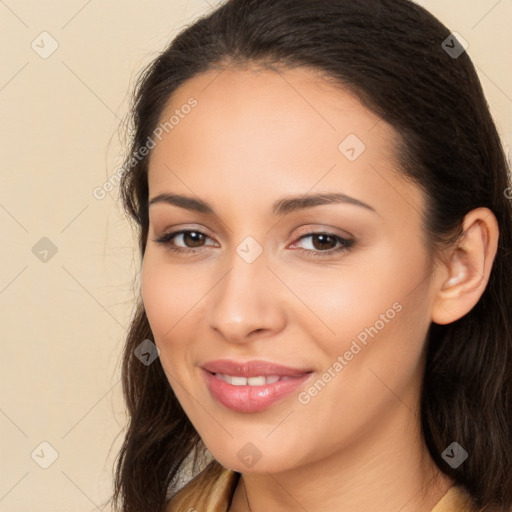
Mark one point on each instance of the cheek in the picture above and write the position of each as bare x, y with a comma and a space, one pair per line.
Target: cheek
167, 301
168, 293
346, 300
382, 323
372, 366
157, 303
173, 299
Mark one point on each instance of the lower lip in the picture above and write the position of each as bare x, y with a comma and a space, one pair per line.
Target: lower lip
251, 398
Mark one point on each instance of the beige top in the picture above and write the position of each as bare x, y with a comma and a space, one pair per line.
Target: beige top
213, 488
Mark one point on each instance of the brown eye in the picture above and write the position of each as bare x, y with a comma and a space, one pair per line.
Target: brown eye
324, 244
192, 238
185, 240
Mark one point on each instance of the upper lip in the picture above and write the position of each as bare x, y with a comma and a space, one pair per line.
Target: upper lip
254, 368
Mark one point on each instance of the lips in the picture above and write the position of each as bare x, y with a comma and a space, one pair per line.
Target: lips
251, 386
252, 368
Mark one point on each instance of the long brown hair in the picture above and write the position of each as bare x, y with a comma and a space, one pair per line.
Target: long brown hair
403, 64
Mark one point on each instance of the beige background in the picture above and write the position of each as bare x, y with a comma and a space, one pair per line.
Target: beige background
64, 320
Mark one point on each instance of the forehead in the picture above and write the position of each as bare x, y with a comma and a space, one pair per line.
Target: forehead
254, 104
266, 131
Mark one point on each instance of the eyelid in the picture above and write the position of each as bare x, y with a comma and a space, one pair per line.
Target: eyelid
322, 228
179, 228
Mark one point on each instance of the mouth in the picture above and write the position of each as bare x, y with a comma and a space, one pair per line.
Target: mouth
261, 380
252, 368
251, 386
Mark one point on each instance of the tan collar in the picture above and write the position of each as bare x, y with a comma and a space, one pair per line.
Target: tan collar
209, 491
457, 499
213, 488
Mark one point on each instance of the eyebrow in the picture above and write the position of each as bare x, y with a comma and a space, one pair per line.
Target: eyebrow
281, 207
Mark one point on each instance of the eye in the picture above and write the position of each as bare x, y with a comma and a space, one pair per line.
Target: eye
322, 243
194, 237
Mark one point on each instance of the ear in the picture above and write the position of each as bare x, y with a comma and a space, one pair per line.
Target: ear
466, 269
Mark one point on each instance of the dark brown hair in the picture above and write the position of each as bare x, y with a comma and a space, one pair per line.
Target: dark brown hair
393, 55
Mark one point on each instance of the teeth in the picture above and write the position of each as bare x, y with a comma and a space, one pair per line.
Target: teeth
251, 381
238, 381
257, 381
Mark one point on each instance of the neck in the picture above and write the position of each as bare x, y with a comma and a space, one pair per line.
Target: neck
386, 469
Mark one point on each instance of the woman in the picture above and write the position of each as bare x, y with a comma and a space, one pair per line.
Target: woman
320, 195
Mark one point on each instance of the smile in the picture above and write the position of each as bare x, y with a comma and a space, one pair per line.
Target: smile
251, 381
253, 394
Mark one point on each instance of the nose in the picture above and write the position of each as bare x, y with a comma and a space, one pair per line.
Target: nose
248, 302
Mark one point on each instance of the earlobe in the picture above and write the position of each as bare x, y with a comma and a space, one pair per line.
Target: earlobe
468, 268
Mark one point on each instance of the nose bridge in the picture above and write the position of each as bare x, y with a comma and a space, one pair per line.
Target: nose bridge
244, 299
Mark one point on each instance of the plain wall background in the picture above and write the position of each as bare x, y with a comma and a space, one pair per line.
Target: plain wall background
63, 320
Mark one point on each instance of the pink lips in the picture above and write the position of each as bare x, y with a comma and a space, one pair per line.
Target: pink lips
251, 398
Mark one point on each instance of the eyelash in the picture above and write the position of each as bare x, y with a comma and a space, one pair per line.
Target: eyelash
345, 243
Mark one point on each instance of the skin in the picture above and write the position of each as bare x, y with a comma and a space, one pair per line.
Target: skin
256, 136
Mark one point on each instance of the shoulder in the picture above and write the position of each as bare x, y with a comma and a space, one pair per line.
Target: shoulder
209, 491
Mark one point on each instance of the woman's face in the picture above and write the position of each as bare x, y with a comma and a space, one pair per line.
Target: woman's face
338, 291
